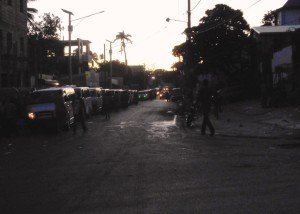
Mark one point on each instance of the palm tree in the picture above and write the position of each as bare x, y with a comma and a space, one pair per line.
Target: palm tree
30, 12
123, 37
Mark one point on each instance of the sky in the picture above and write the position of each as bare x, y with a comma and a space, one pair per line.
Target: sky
145, 20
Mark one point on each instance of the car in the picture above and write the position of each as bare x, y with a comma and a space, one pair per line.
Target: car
51, 105
143, 95
84, 94
96, 94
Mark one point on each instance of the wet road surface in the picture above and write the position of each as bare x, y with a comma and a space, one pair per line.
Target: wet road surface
144, 161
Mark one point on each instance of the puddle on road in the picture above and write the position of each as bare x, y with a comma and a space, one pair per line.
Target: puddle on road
157, 129
160, 129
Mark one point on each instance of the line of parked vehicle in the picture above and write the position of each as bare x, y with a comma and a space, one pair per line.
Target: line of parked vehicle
54, 105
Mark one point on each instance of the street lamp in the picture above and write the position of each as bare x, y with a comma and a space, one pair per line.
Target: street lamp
70, 29
176, 20
110, 60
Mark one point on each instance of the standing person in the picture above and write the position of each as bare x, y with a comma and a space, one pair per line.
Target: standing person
205, 100
79, 114
107, 105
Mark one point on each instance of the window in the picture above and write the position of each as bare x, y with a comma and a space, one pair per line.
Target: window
22, 6
9, 43
9, 2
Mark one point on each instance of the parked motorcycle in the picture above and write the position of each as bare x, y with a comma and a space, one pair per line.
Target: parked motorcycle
192, 115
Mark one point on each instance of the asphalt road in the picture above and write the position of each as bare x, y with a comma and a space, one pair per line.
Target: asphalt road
144, 161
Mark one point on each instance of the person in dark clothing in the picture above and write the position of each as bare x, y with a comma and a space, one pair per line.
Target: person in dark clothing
205, 101
107, 105
79, 114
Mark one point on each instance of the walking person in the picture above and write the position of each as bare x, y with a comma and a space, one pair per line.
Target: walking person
79, 114
107, 105
205, 101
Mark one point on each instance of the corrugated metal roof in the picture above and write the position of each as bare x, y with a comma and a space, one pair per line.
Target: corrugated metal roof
275, 29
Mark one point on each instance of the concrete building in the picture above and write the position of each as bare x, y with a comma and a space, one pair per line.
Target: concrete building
13, 42
278, 54
289, 14
48, 59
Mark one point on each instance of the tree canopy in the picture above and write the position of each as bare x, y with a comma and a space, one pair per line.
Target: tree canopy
270, 18
219, 43
30, 12
48, 28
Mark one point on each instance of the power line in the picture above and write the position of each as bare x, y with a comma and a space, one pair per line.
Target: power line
88, 16
253, 4
196, 5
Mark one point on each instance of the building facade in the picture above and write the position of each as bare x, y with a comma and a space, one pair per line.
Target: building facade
278, 56
289, 14
13, 43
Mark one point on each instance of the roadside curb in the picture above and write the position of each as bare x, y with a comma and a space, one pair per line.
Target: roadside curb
228, 133
260, 137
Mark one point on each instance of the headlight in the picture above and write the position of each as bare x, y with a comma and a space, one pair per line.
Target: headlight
31, 115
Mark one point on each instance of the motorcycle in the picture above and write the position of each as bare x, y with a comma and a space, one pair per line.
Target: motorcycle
191, 115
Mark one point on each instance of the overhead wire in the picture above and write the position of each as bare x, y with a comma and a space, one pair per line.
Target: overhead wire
196, 5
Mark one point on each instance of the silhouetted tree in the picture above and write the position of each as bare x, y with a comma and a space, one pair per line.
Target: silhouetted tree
119, 70
44, 45
48, 28
30, 12
270, 18
220, 43
123, 38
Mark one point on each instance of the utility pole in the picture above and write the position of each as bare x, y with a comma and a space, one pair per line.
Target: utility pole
188, 61
188, 36
110, 60
104, 53
70, 29
189, 14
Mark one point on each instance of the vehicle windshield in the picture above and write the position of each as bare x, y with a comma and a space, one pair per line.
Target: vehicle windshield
44, 97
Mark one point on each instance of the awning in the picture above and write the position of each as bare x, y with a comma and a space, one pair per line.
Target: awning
276, 29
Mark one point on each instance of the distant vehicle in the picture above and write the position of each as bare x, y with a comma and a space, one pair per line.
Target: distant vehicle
96, 95
125, 98
135, 97
84, 94
143, 95
152, 93
52, 105
117, 102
